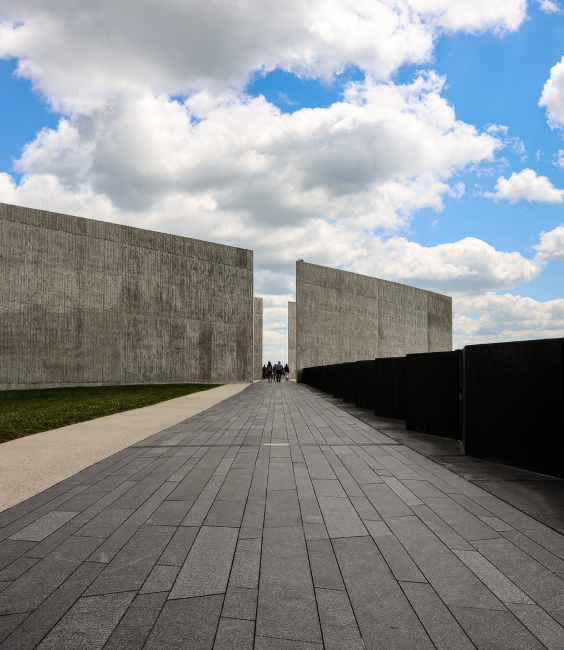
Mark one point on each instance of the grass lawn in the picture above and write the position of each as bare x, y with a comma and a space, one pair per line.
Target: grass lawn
23, 412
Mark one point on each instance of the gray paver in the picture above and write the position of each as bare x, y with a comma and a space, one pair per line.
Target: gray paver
44, 526
341, 518
338, 624
240, 603
42, 620
286, 606
206, 569
135, 626
495, 630
246, 564
543, 626
161, 578
106, 523
186, 623
384, 615
440, 624
233, 633
179, 546
131, 566
31, 589
324, 568
88, 625
282, 509
9, 623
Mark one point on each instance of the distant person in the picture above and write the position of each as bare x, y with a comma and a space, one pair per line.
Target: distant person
264, 372
287, 372
279, 369
269, 372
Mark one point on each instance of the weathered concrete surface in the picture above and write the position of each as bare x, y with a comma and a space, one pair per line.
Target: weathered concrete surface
32, 464
343, 316
292, 339
85, 302
258, 318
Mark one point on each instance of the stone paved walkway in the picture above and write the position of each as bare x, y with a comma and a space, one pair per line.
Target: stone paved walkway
275, 521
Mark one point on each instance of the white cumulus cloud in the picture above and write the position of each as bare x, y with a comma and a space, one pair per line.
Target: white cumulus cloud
553, 95
526, 185
550, 7
551, 245
81, 54
505, 318
374, 158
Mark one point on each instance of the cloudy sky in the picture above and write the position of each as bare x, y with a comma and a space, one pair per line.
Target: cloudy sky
419, 141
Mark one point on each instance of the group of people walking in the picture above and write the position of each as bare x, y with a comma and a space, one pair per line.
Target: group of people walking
272, 372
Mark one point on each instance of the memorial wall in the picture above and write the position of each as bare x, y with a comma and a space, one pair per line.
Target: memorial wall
86, 302
344, 317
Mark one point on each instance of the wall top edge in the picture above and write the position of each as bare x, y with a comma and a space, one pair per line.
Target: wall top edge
140, 237
369, 280
502, 343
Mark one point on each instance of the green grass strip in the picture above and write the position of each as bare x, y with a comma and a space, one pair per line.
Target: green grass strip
24, 412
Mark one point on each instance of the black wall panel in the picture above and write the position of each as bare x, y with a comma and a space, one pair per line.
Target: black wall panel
390, 388
349, 381
366, 388
513, 404
433, 393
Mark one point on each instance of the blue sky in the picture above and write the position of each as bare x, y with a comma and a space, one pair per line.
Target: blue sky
209, 132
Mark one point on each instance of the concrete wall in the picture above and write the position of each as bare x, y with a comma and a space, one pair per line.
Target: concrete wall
258, 338
85, 302
343, 316
292, 339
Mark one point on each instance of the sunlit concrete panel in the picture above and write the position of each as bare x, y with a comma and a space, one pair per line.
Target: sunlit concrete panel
343, 316
86, 302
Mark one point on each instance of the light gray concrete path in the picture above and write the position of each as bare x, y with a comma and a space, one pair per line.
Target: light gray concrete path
276, 521
34, 463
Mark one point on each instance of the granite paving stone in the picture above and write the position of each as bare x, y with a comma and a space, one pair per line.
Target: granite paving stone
106, 523
495, 630
137, 622
338, 624
384, 615
89, 623
543, 626
207, 567
161, 578
246, 564
44, 526
439, 623
233, 633
43, 619
186, 623
340, 517
276, 520
286, 604
28, 592
240, 602
132, 565
9, 623
282, 509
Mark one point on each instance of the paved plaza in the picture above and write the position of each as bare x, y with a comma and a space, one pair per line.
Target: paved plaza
275, 520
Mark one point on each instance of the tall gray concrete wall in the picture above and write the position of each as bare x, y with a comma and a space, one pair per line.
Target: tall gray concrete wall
343, 316
85, 302
258, 338
292, 339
